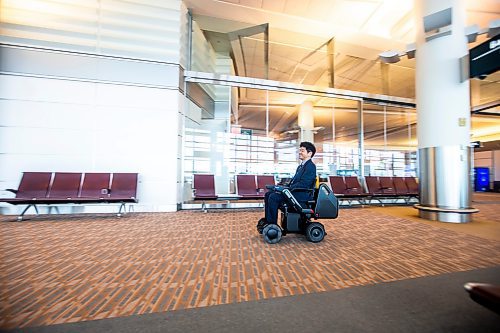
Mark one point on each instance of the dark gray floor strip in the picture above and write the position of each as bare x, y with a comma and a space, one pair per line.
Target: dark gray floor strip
428, 304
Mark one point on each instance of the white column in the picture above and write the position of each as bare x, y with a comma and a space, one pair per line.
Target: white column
224, 184
443, 116
306, 121
442, 100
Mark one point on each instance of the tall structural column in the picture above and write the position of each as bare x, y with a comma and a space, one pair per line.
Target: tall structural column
306, 121
443, 112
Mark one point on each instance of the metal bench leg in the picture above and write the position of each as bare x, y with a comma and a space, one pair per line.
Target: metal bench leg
20, 217
55, 207
122, 206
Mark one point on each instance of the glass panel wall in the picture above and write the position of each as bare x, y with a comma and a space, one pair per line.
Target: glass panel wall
250, 153
336, 137
324, 62
261, 131
390, 141
265, 52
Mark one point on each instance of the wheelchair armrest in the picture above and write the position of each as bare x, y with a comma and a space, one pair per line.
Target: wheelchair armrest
277, 188
293, 201
300, 189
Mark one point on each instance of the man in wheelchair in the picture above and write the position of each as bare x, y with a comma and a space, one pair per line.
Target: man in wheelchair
304, 179
297, 202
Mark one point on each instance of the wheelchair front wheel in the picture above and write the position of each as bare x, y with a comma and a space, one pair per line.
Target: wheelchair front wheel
315, 232
272, 233
261, 225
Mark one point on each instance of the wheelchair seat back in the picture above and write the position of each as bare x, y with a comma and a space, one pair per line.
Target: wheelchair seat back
327, 204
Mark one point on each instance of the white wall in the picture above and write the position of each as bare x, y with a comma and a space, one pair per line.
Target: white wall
144, 29
59, 125
96, 100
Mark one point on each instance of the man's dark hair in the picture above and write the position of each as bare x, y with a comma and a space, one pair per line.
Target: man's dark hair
309, 147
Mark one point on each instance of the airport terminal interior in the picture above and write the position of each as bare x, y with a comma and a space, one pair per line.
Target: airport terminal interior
139, 137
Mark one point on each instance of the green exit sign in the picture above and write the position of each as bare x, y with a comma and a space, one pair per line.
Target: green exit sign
246, 131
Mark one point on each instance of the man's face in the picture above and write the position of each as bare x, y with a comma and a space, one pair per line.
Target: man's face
303, 154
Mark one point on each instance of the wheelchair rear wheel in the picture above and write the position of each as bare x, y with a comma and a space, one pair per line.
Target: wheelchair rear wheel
315, 232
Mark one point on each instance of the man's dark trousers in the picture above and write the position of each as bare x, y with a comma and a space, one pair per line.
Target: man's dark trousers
273, 200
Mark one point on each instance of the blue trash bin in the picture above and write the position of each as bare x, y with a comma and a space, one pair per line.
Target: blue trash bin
481, 179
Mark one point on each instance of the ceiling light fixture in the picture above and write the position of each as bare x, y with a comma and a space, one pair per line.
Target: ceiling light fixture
410, 50
389, 57
494, 28
471, 32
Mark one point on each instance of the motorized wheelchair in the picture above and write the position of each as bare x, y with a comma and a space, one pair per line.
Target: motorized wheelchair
296, 217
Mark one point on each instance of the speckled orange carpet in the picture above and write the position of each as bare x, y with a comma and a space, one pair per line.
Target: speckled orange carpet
61, 269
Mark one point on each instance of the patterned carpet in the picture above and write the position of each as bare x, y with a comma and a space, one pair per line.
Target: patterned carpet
489, 206
61, 269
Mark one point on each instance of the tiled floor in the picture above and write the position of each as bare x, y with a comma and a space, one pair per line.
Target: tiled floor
60, 269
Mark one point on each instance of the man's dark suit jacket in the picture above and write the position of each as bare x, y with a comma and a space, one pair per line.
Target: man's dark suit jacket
305, 177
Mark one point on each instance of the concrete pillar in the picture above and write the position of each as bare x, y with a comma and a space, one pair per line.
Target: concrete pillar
306, 122
443, 112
